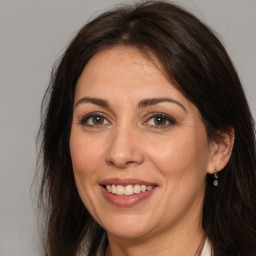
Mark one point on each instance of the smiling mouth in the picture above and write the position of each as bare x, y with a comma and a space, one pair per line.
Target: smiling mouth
127, 190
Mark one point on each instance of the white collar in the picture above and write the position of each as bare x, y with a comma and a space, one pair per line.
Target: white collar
207, 248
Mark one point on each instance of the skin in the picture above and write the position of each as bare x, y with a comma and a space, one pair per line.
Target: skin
129, 143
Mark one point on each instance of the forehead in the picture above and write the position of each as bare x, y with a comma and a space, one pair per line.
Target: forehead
122, 68
113, 60
124, 75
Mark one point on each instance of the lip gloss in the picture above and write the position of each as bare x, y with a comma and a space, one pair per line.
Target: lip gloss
125, 182
126, 200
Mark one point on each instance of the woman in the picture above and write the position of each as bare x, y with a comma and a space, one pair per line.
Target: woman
147, 139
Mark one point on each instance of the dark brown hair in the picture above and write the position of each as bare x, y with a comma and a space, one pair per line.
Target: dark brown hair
197, 63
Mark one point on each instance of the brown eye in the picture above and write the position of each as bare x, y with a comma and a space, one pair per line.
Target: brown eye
94, 120
160, 120
97, 120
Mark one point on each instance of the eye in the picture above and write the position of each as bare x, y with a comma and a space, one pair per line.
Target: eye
160, 121
94, 120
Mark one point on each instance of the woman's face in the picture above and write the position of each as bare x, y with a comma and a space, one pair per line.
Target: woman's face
139, 148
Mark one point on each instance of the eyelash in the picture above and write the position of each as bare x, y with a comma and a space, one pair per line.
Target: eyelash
170, 120
83, 121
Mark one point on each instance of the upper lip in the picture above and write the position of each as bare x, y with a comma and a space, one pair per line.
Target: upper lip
125, 182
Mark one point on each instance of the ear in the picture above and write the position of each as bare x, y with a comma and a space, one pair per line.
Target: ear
220, 150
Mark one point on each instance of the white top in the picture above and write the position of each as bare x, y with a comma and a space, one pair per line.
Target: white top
206, 249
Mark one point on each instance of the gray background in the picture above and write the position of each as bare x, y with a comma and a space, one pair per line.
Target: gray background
32, 35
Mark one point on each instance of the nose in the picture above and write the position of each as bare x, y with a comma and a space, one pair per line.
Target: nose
124, 148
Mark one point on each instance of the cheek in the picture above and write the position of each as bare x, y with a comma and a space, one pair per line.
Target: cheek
183, 153
85, 155
85, 159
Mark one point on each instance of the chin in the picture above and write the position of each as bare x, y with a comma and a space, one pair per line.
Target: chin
128, 234
128, 227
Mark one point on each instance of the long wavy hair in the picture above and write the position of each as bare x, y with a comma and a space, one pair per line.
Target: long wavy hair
196, 62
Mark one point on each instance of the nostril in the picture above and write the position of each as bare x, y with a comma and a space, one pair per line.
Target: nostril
130, 162
121, 164
110, 162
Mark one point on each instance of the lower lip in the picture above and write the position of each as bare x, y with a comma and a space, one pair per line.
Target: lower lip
126, 201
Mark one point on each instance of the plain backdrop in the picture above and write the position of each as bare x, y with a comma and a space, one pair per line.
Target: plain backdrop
33, 34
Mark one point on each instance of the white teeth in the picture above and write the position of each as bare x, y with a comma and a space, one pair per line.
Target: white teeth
113, 189
143, 188
137, 189
128, 190
119, 190
108, 187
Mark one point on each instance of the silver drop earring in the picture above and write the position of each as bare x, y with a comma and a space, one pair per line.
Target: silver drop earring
215, 182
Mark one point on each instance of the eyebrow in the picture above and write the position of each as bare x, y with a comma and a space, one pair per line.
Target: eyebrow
142, 104
154, 101
96, 101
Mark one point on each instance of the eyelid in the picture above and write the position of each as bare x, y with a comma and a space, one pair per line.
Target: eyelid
84, 118
169, 119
